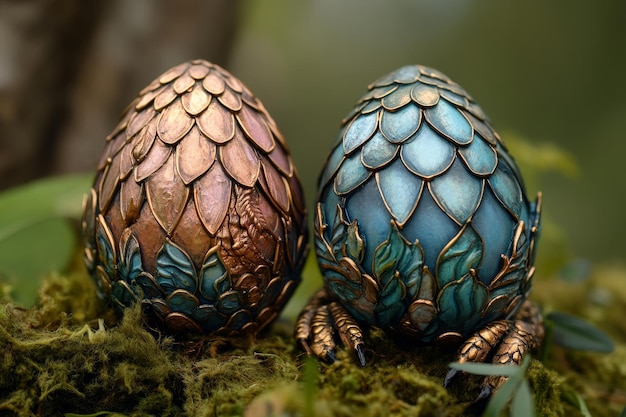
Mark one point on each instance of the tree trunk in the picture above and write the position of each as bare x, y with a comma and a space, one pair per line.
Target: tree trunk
68, 69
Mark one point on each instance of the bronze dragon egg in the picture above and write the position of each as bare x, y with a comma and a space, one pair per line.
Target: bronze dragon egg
196, 208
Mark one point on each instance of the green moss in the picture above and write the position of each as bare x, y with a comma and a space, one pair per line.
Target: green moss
61, 357
67, 355
600, 379
546, 387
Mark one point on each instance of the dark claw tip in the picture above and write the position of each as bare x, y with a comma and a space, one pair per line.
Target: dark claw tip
330, 356
360, 353
452, 373
485, 393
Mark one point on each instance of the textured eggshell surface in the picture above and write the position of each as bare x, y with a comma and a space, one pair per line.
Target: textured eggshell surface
422, 223
196, 209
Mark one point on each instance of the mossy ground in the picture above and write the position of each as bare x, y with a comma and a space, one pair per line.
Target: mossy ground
67, 355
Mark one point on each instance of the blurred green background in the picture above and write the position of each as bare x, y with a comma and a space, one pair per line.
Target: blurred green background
550, 75
549, 72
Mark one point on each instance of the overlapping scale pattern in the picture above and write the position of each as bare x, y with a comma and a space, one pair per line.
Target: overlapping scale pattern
426, 121
417, 156
196, 194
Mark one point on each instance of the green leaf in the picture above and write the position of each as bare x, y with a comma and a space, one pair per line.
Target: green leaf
623, 413
323, 247
33, 252
461, 302
500, 399
410, 266
175, 269
354, 243
572, 397
516, 377
522, 404
214, 277
582, 405
338, 233
464, 252
574, 333
386, 257
130, 265
310, 375
397, 254
393, 258
35, 235
541, 157
53, 197
488, 369
123, 293
106, 246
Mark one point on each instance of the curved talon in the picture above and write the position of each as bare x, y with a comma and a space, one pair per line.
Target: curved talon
505, 342
348, 329
303, 323
360, 354
531, 316
485, 392
319, 323
526, 335
478, 347
323, 334
452, 373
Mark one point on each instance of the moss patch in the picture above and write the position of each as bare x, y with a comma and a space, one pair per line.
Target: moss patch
67, 355
63, 357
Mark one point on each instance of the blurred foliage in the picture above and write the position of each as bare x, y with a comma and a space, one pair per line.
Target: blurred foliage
575, 399
573, 333
516, 389
550, 71
538, 159
38, 231
576, 270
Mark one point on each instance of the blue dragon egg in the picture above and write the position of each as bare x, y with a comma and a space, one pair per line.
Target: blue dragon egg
422, 224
